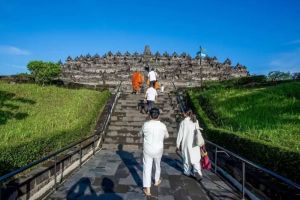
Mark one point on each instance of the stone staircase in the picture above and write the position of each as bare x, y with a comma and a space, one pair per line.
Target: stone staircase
116, 171
127, 121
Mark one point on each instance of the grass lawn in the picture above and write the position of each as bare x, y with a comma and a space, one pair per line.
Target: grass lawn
270, 114
36, 120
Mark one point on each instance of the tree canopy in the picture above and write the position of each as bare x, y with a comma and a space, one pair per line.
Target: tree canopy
44, 72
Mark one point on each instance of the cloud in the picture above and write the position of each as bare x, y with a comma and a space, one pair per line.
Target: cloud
12, 50
288, 61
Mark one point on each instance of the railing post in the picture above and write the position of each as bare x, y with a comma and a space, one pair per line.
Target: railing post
243, 180
94, 147
1, 188
80, 155
216, 157
55, 170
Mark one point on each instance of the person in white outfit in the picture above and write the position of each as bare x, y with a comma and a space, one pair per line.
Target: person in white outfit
150, 97
152, 76
153, 132
185, 138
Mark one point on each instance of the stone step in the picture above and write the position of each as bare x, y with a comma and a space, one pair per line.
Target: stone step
135, 124
134, 134
133, 140
134, 147
172, 133
141, 119
132, 101
134, 114
136, 96
160, 98
126, 129
135, 105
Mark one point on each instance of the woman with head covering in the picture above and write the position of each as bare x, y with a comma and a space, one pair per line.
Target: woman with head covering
186, 141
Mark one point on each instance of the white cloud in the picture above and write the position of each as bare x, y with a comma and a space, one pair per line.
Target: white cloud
288, 61
12, 50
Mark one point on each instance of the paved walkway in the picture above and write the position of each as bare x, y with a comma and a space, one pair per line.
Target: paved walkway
118, 175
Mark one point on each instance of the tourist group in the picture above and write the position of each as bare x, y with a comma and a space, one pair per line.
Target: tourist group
189, 145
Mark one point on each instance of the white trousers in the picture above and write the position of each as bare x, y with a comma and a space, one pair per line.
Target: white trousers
147, 169
187, 167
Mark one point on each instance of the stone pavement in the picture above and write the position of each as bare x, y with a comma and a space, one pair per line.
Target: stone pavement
115, 172
118, 175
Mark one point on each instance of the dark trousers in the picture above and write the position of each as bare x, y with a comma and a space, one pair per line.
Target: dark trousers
152, 83
150, 105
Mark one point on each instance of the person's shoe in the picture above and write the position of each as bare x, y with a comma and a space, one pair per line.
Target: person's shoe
147, 191
198, 177
157, 182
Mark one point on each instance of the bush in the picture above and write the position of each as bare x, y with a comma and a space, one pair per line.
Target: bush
44, 72
251, 79
296, 76
279, 76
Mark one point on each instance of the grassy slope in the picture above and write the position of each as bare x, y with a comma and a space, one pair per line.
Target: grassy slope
35, 120
270, 114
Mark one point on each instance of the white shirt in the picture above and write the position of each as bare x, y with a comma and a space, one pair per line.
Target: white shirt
154, 133
152, 76
151, 94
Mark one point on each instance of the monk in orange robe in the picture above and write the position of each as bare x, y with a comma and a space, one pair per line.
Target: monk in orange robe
137, 80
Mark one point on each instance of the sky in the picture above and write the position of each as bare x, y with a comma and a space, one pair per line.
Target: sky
264, 35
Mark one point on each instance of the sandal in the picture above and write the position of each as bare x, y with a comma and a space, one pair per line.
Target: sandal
158, 182
146, 192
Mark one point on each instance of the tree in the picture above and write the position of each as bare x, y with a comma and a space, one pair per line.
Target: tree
296, 76
44, 72
277, 75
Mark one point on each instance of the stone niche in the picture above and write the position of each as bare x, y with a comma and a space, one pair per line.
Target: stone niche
181, 68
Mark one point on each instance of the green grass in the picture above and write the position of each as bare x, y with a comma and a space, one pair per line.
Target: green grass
36, 120
269, 114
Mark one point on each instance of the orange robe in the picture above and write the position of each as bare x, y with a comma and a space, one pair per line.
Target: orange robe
137, 80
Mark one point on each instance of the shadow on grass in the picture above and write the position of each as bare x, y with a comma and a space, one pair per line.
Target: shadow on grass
10, 111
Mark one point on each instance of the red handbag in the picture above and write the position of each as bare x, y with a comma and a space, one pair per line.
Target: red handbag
205, 162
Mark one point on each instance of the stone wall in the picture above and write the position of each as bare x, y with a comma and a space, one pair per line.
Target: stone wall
111, 68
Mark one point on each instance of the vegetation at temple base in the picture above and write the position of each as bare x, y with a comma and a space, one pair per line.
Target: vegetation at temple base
36, 120
261, 123
44, 72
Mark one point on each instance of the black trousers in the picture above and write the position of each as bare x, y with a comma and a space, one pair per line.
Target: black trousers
150, 105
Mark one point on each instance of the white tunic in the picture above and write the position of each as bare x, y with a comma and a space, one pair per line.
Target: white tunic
152, 76
185, 138
151, 94
154, 133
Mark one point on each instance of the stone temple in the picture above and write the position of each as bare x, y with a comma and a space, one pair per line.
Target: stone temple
184, 70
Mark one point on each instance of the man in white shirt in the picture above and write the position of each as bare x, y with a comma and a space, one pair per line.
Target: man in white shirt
153, 132
150, 96
152, 76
